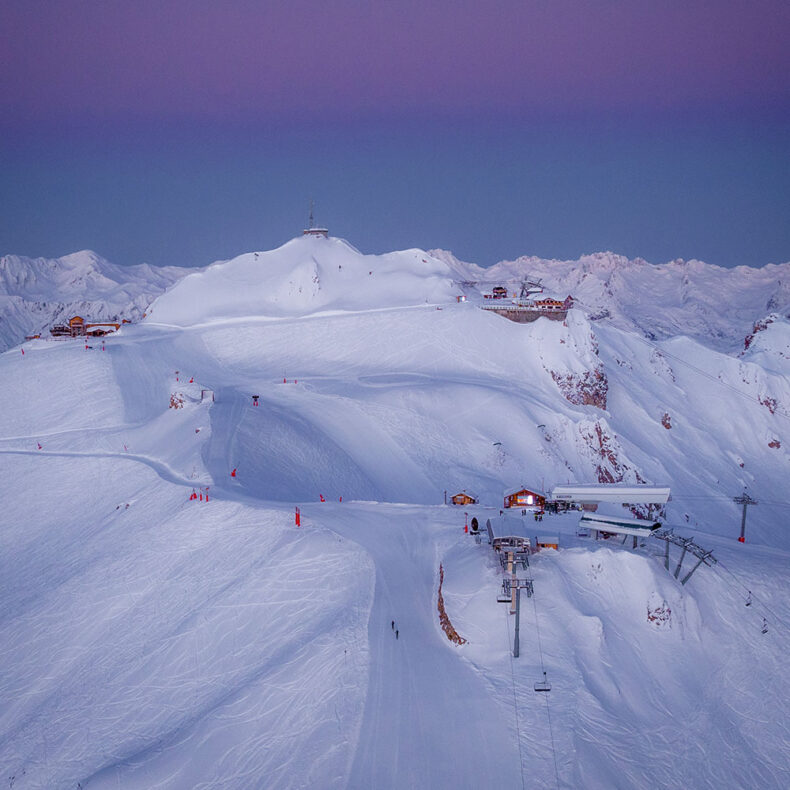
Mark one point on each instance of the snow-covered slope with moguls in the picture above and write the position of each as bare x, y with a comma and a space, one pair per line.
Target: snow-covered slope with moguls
168, 624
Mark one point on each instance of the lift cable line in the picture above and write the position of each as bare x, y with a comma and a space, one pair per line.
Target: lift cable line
515, 704
545, 696
511, 592
755, 599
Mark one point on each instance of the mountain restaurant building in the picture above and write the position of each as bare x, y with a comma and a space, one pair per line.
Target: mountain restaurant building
524, 497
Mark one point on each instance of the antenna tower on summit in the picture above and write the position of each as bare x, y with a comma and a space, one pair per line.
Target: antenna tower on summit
312, 230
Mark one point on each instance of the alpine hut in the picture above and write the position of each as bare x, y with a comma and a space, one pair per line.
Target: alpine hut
465, 498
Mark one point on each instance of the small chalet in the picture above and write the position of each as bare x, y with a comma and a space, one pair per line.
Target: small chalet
465, 498
525, 498
102, 329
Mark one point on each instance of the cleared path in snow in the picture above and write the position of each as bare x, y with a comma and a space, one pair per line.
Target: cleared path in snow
416, 730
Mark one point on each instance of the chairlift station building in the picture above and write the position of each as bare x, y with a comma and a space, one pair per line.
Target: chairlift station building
616, 493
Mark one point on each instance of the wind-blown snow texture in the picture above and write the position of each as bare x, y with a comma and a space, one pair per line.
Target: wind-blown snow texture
154, 640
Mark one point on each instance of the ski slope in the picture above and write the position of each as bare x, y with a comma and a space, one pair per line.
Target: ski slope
154, 640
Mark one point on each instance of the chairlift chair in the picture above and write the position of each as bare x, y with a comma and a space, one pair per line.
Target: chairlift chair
543, 685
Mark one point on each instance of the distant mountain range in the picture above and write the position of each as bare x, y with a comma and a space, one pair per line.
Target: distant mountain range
36, 293
717, 307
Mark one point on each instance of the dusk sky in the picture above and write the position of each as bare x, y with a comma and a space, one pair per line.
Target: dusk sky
182, 132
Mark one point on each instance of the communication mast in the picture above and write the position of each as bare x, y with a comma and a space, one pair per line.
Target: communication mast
312, 230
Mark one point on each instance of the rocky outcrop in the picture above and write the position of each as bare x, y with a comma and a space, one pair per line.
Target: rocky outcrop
609, 467
759, 326
769, 403
583, 389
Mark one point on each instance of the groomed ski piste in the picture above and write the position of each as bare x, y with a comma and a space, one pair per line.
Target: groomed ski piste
156, 640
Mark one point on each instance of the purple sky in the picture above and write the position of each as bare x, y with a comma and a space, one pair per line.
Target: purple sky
298, 59
184, 131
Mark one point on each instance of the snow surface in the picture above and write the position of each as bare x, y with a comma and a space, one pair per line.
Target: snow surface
152, 640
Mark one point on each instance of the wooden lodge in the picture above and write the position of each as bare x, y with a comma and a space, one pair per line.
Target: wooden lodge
465, 498
79, 327
525, 498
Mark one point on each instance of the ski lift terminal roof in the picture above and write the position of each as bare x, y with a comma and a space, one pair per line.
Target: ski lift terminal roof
504, 532
594, 494
619, 525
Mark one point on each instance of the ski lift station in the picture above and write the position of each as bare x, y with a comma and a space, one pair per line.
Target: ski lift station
599, 523
615, 493
508, 534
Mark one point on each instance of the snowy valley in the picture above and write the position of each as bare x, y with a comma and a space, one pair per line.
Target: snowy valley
167, 624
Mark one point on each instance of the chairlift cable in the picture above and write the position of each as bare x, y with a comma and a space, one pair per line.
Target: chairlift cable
515, 703
757, 602
543, 670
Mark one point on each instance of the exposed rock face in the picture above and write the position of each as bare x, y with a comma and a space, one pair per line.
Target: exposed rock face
666, 421
609, 466
769, 403
587, 389
659, 612
775, 444
649, 512
759, 326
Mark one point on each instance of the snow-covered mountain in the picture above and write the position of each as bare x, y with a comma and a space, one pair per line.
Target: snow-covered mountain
167, 624
715, 306
36, 293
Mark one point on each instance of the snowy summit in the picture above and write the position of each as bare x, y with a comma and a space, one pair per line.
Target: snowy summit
307, 275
